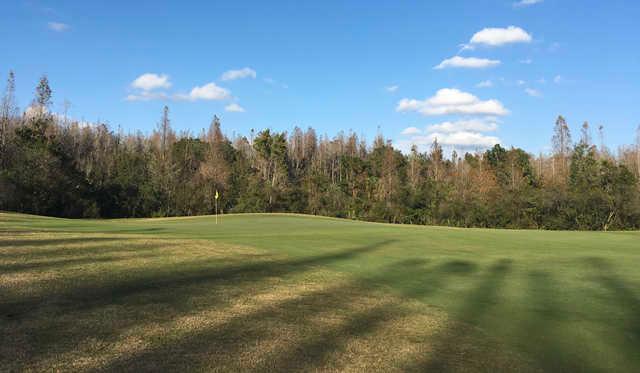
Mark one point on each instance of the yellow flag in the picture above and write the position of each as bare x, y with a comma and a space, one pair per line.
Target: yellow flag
217, 195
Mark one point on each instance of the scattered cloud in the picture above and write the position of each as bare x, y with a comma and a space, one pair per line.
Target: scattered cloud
272, 81
525, 3
554, 47
452, 101
58, 26
150, 81
207, 92
485, 84
542, 81
526, 61
147, 96
558, 79
495, 37
234, 108
521, 82
392, 88
474, 124
150, 86
456, 140
467, 62
411, 131
533, 92
238, 74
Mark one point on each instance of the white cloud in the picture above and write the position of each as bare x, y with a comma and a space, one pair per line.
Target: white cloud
411, 131
58, 26
533, 92
238, 74
466, 139
467, 62
452, 101
451, 96
485, 84
521, 82
495, 36
150, 81
209, 92
461, 139
147, 96
463, 125
234, 108
527, 61
554, 47
523, 3
272, 81
558, 79
392, 88
147, 86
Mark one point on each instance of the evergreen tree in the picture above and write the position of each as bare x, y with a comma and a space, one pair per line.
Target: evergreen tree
43, 95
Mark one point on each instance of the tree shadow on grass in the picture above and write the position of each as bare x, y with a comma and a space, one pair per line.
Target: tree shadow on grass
317, 350
411, 278
54, 241
120, 290
242, 341
540, 335
415, 278
625, 298
59, 264
224, 346
312, 346
80, 248
173, 287
454, 349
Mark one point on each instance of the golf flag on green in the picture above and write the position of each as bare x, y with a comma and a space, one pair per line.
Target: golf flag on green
216, 196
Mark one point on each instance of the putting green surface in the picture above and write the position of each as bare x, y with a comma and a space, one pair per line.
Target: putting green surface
289, 292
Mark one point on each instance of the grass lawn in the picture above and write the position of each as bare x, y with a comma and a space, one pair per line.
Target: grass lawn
287, 292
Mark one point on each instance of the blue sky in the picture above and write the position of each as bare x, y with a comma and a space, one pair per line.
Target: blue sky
337, 65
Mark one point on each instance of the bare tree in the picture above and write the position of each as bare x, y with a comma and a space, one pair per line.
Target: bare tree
561, 142
436, 156
585, 134
603, 147
165, 129
8, 108
638, 150
66, 105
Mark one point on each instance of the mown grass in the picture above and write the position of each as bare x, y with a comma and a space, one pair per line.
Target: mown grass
287, 292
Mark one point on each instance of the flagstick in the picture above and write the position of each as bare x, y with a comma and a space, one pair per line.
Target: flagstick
216, 211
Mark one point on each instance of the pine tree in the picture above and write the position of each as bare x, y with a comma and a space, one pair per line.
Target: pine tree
43, 94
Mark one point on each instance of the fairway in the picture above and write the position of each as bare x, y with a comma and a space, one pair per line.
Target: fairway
279, 292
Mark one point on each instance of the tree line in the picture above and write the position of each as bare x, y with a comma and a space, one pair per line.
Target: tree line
55, 166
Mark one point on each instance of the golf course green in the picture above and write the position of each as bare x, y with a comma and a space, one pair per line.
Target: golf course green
283, 292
